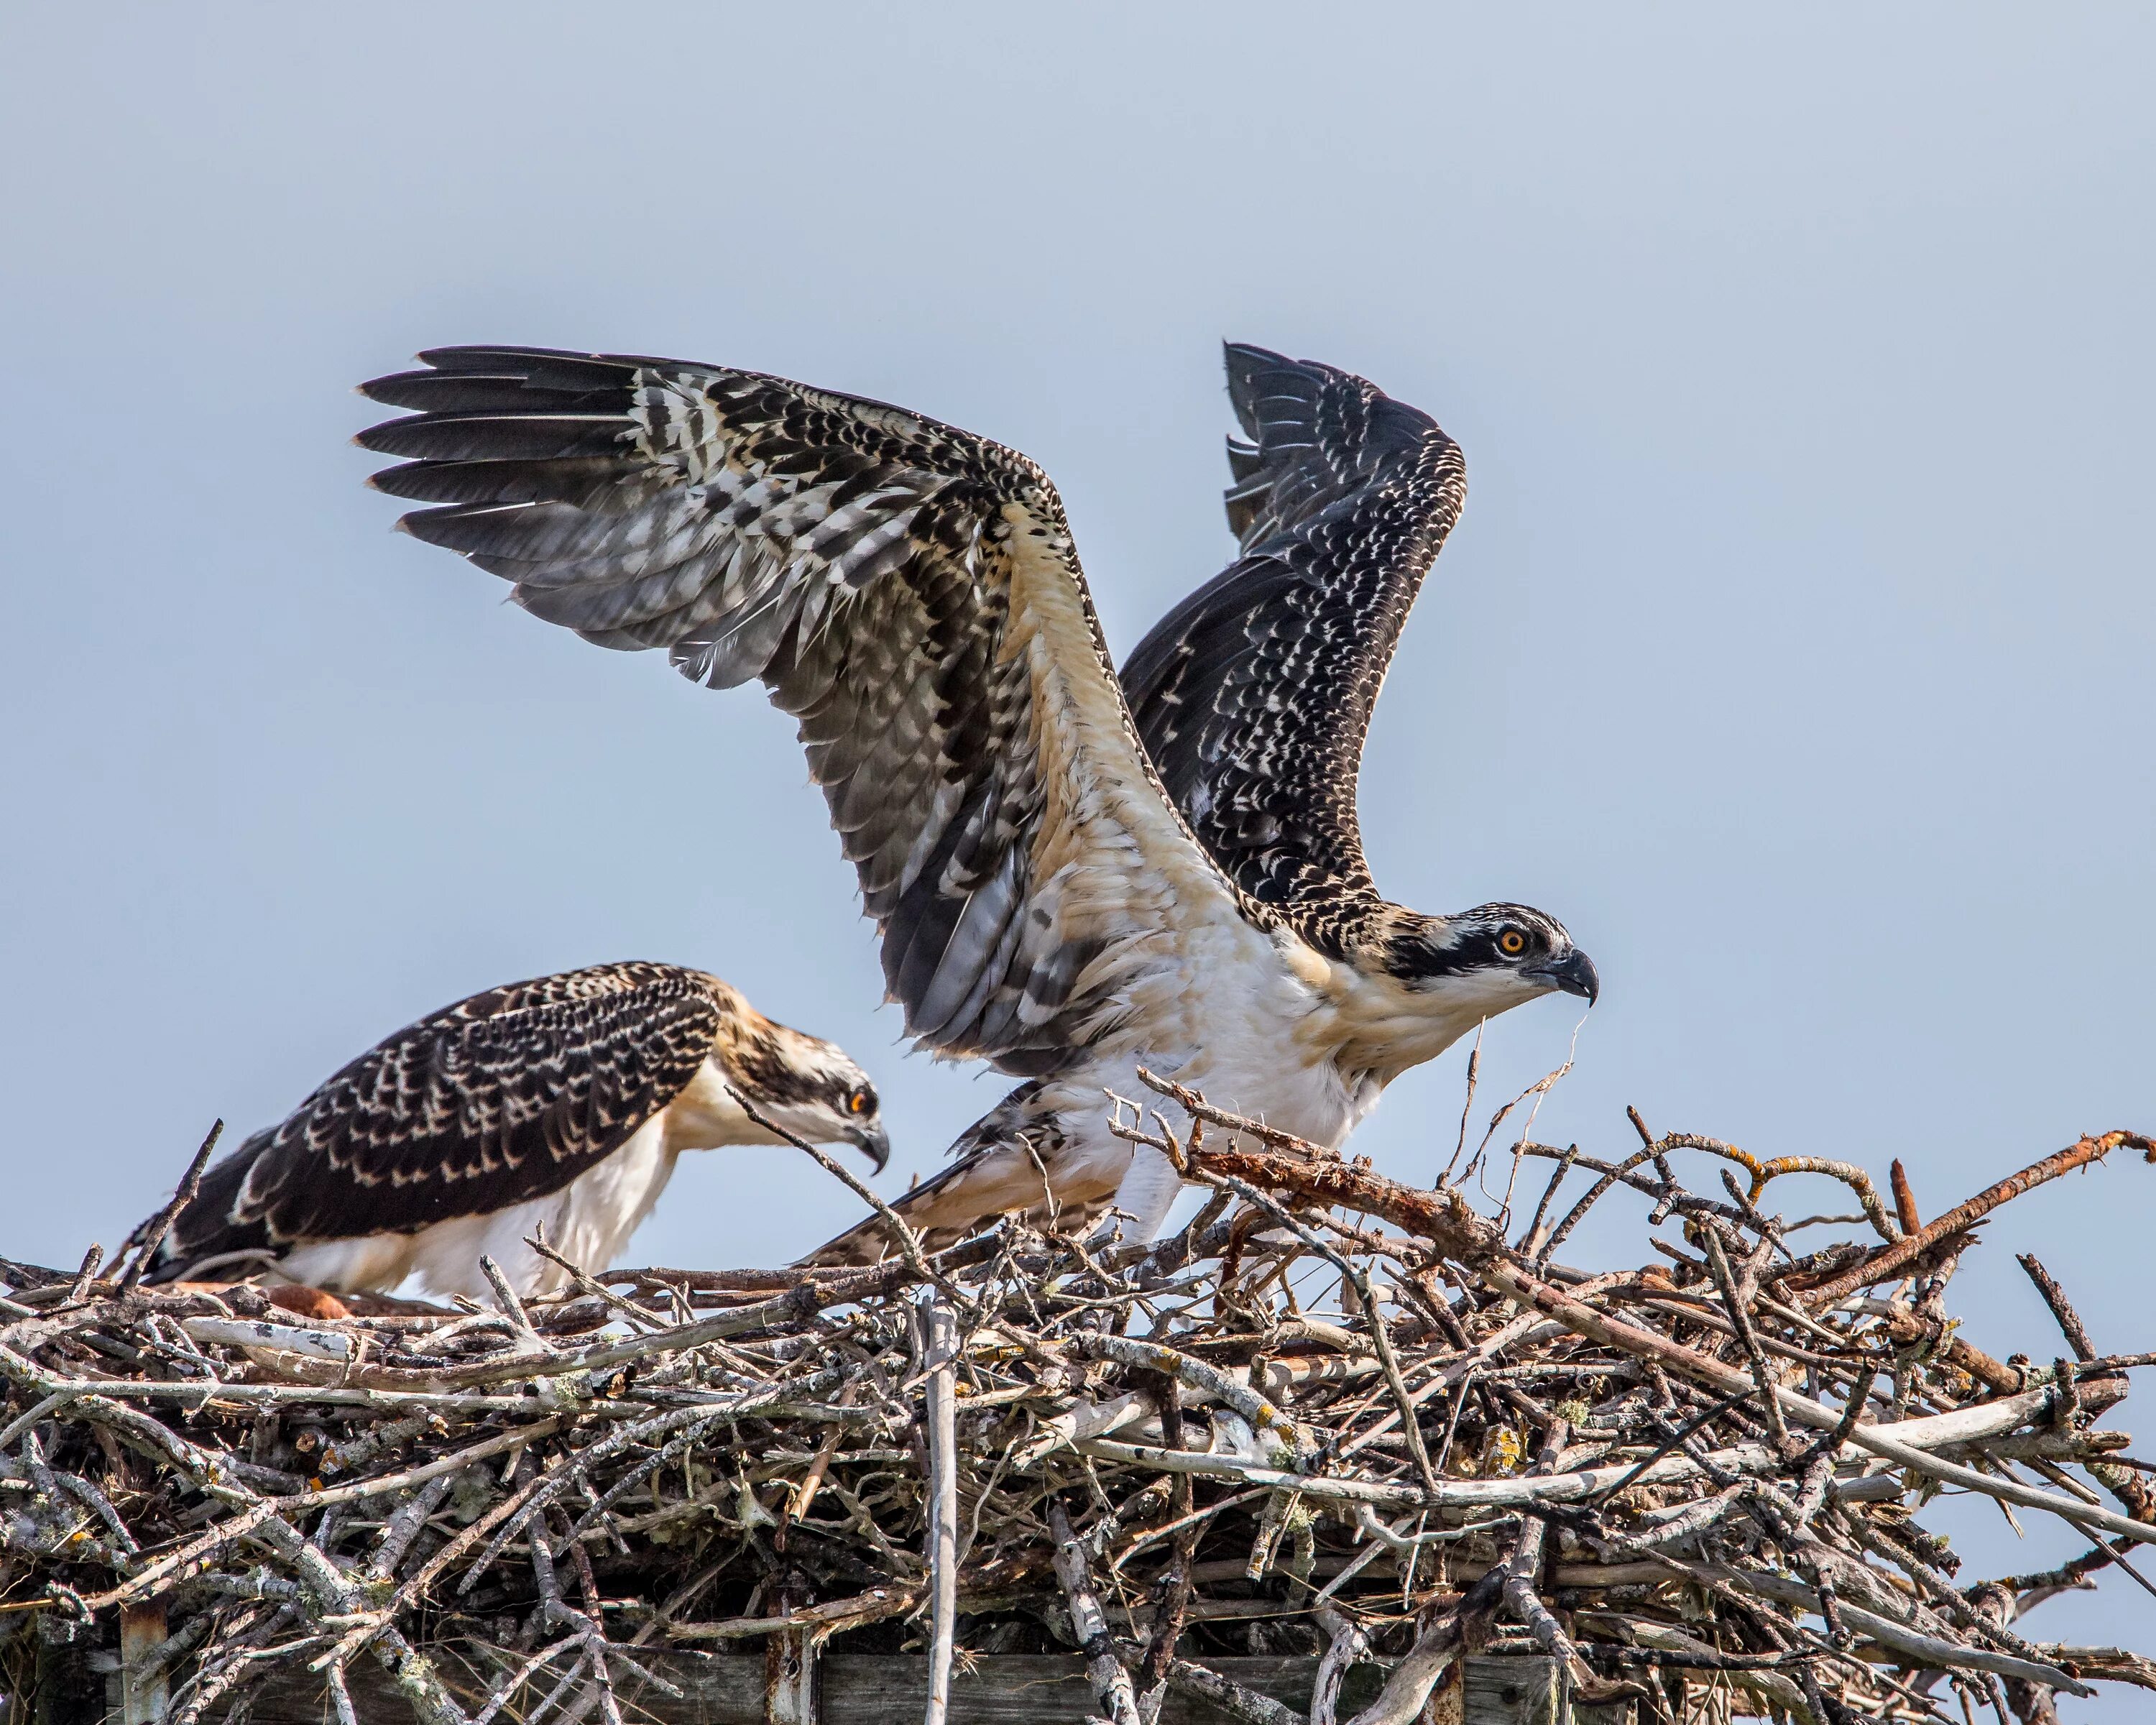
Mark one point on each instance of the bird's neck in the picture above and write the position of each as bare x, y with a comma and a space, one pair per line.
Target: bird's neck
1372, 1025
1381, 1044
707, 1115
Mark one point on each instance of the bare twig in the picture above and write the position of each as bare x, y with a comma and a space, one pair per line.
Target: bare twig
1104, 1670
151, 1236
1888, 1259
939, 1349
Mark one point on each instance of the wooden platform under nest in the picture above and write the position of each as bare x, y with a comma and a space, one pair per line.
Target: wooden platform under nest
880, 1688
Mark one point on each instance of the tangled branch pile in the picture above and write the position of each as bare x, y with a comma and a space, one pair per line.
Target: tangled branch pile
1337, 1416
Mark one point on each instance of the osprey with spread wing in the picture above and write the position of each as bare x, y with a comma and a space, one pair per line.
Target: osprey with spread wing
1062, 889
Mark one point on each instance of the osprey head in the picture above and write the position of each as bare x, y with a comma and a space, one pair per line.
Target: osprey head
810, 1087
1493, 958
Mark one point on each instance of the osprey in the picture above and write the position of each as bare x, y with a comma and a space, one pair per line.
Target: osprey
562, 1103
1057, 894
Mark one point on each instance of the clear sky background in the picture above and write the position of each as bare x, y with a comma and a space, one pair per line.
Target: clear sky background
1795, 648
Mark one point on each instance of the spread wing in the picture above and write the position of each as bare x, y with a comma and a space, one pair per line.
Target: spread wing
1255, 694
907, 591
505, 1096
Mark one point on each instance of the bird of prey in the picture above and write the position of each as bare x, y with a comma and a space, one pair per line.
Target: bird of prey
560, 1103
1055, 894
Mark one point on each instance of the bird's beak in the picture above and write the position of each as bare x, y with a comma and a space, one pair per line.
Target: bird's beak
874, 1143
1574, 973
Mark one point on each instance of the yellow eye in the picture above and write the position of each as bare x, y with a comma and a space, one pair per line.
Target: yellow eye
859, 1104
1511, 943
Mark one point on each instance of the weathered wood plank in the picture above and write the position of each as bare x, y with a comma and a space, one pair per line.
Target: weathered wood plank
143, 1695
1514, 1691
1006, 1689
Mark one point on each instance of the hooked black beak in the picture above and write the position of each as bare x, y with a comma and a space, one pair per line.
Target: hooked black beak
873, 1141
1574, 973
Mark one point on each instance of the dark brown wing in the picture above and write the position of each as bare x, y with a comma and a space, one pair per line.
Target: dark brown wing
907, 591
1255, 694
505, 1096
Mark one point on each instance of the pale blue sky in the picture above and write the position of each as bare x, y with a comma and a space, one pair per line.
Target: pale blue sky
1795, 647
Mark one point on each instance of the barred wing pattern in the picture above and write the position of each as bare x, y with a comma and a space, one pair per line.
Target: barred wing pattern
908, 592
1255, 694
503, 1097
1007, 1160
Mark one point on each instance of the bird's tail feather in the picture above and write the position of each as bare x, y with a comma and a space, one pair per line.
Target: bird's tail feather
945, 1209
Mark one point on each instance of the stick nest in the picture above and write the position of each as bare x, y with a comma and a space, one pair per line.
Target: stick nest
1337, 1416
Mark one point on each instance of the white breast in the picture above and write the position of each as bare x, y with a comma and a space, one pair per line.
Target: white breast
1259, 1023
588, 1221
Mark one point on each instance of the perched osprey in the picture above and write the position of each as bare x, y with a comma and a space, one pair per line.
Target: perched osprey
561, 1102
1055, 895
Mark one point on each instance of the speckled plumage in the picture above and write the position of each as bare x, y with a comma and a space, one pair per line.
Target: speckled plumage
1254, 695
510, 1096
911, 593
885, 577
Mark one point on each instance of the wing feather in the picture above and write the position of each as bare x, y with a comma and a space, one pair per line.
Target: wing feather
908, 592
1254, 695
501, 1098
